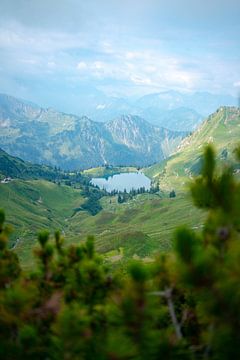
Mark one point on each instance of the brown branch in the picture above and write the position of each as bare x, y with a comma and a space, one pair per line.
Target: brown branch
167, 294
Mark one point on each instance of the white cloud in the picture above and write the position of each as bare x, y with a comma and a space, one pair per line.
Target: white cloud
29, 61
150, 69
82, 65
51, 64
110, 61
99, 65
141, 80
101, 107
130, 55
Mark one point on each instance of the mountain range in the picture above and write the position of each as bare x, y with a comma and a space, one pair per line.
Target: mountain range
140, 226
172, 109
47, 136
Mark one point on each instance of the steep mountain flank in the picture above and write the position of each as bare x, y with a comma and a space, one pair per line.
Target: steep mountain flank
222, 129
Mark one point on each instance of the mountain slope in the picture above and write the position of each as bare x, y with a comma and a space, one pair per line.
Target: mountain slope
11, 166
137, 134
33, 205
139, 227
222, 129
172, 109
50, 137
178, 119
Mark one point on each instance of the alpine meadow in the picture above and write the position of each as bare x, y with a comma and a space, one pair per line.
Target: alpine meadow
119, 180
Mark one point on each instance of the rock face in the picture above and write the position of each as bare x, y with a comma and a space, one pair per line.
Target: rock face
71, 142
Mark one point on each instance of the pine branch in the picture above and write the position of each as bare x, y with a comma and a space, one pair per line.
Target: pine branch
167, 294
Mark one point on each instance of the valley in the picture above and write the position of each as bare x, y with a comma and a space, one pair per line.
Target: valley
139, 226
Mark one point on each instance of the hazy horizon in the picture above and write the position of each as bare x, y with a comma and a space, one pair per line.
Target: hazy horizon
53, 52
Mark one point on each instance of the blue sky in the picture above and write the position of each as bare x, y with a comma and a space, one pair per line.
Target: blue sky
51, 51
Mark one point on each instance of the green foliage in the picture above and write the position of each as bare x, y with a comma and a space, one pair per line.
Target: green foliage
9, 265
185, 244
237, 151
2, 219
208, 264
184, 305
221, 128
43, 237
92, 204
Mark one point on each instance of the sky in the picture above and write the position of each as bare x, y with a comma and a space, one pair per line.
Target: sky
52, 51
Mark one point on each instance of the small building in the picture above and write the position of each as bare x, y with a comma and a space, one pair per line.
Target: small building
6, 180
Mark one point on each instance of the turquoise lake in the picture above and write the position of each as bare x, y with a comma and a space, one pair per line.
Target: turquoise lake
123, 181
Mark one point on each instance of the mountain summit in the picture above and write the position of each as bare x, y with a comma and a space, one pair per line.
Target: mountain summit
51, 137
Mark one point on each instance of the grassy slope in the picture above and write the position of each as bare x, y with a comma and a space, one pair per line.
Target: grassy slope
140, 227
221, 128
137, 228
17, 168
102, 171
34, 205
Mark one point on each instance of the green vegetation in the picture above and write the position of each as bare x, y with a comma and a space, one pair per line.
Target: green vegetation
106, 171
92, 204
37, 204
70, 204
14, 167
221, 128
172, 194
184, 305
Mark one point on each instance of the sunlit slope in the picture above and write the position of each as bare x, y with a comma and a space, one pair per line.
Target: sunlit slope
138, 228
105, 171
222, 129
34, 205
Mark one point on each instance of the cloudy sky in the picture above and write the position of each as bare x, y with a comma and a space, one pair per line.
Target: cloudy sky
53, 50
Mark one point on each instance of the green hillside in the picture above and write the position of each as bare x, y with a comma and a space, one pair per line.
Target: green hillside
137, 228
106, 171
222, 129
34, 205
17, 168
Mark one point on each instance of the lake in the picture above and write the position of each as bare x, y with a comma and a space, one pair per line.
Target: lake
123, 181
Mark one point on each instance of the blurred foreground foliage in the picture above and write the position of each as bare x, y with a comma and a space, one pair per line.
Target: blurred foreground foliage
185, 305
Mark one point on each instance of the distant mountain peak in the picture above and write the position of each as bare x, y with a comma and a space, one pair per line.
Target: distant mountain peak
73, 142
